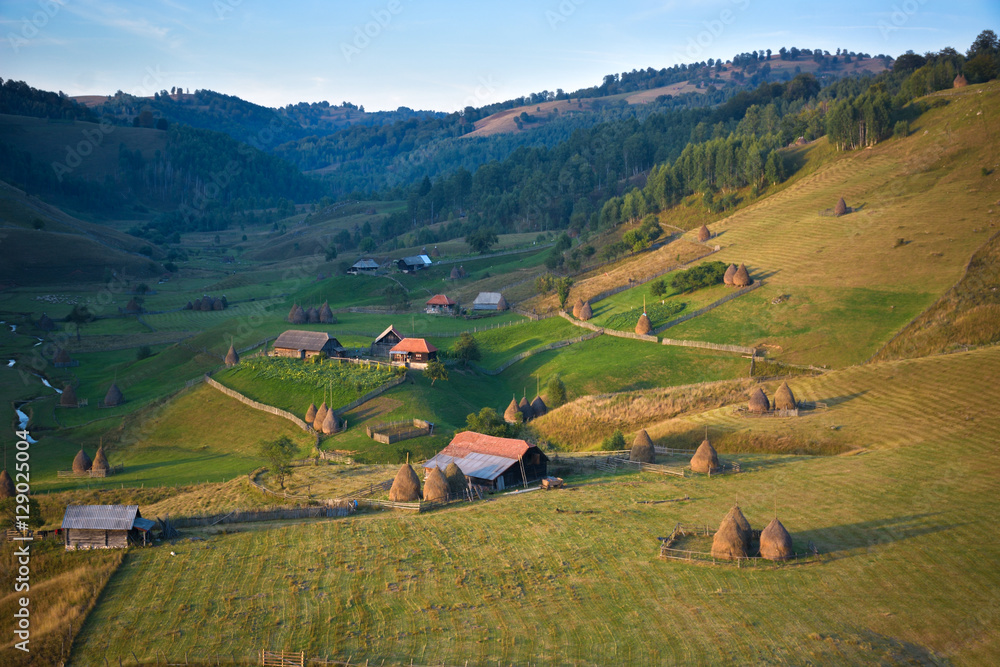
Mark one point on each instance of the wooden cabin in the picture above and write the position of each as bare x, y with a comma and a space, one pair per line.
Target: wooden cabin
413, 351
105, 527
440, 304
363, 266
487, 460
386, 340
413, 264
305, 344
489, 301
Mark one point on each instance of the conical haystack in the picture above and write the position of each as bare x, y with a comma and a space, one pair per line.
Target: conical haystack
960, 81
82, 462
784, 399
62, 357
538, 406
114, 396
704, 234
730, 273
406, 486
329, 423
525, 408
742, 277
435, 486
705, 459
320, 417
512, 415
455, 274
728, 542
68, 398
840, 208
311, 413
100, 461
457, 481
577, 307
642, 448
232, 358
312, 316
218, 304
643, 326
297, 315
758, 401
325, 314
45, 323
6, 485
775, 542
586, 312
132, 306
736, 514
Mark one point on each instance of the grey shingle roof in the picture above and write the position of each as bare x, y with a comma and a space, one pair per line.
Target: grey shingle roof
100, 517
294, 339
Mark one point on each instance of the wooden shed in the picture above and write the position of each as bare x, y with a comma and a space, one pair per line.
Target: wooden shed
386, 340
413, 350
105, 527
440, 304
494, 462
489, 301
304, 344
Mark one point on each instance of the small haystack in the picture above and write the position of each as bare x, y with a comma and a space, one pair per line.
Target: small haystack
45, 323
736, 514
841, 207
114, 397
312, 316
297, 315
68, 398
133, 306
784, 399
730, 274
100, 461
577, 308
728, 543
775, 542
758, 401
320, 417
454, 273
311, 413
196, 305
82, 462
742, 277
189, 306
62, 357
218, 304
586, 312
704, 234
705, 459
643, 326
330, 423
512, 415
406, 486
642, 448
457, 481
525, 408
6, 485
325, 314
960, 81
232, 358
435, 486
538, 406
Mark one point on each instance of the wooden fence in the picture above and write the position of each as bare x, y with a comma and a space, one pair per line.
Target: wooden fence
648, 467
113, 470
282, 658
668, 549
420, 428
740, 349
701, 311
232, 393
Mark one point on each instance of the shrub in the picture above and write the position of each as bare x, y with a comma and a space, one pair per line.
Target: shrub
703, 275
901, 129
143, 352
658, 287
615, 441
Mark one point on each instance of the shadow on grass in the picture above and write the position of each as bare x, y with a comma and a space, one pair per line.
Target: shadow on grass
838, 400
868, 537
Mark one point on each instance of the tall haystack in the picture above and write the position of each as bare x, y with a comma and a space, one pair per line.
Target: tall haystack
330, 423
758, 401
705, 459
577, 307
435, 486
406, 486
45, 323
114, 396
704, 234
207, 303
6, 485
538, 407
189, 306
730, 274
742, 277
455, 275
82, 462
457, 481
196, 305
736, 514
642, 448
312, 316
100, 461
525, 408
960, 81
643, 326
586, 312
775, 542
232, 357
311, 413
325, 314
68, 398
218, 304
133, 306
62, 357
320, 417
297, 315
512, 415
840, 208
728, 543
784, 399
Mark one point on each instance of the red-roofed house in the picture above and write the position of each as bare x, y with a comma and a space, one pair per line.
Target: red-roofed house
490, 461
440, 304
413, 351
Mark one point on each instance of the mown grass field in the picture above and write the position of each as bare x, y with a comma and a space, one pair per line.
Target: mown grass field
498, 345
904, 576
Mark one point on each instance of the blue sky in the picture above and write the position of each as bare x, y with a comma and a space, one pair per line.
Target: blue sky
434, 55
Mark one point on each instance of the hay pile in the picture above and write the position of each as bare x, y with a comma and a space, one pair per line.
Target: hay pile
705, 459
841, 207
232, 358
100, 461
457, 481
435, 486
642, 448
406, 486
82, 462
114, 396
538, 406
784, 399
311, 414
312, 315
296, 315
643, 326
704, 234
62, 357
728, 543
730, 273
577, 308
513, 414
68, 398
320, 417
325, 314
742, 277
758, 401
775, 542
6, 485
329, 423
960, 81
586, 312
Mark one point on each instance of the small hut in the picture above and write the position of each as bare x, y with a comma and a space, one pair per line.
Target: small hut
68, 397
6, 485
728, 543
435, 486
525, 408
406, 486
325, 314
513, 415
784, 399
730, 274
758, 401
643, 326
705, 459
114, 397
538, 406
232, 357
742, 277
840, 208
704, 234
100, 463
320, 417
960, 81
457, 481
642, 448
577, 307
82, 462
311, 413
330, 423
775, 542
586, 312
45, 323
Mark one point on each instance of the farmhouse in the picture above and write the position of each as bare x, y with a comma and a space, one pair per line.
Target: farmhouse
413, 350
439, 304
366, 266
490, 461
306, 344
414, 263
489, 301
104, 527
386, 340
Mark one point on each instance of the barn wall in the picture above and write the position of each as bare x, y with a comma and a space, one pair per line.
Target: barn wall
81, 538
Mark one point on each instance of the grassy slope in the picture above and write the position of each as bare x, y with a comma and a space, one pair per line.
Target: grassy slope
906, 575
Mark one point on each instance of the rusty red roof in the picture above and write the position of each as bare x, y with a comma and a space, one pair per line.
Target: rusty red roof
440, 300
468, 442
413, 345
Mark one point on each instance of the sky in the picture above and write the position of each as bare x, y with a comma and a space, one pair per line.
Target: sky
443, 55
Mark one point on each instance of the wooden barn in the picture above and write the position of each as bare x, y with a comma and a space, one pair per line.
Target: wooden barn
304, 344
489, 301
105, 527
490, 461
440, 304
363, 266
413, 351
386, 340
413, 264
